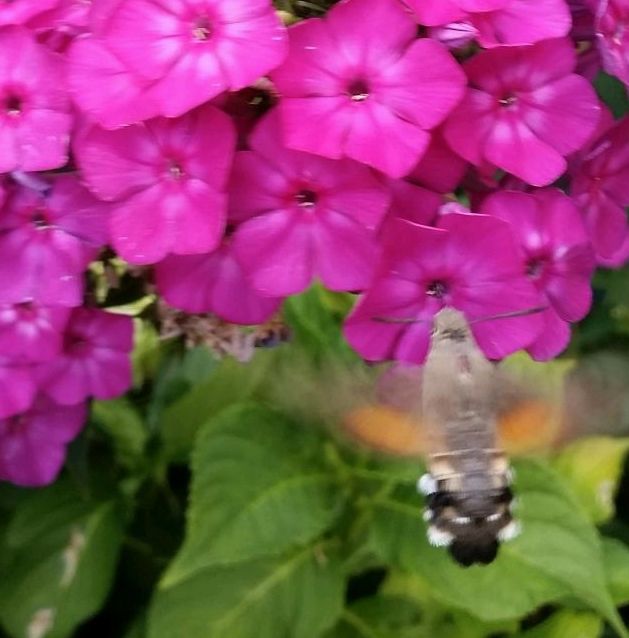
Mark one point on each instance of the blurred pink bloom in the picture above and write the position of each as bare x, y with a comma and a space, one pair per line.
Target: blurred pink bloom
525, 111
471, 263
359, 84
17, 387
497, 22
558, 258
95, 360
303, 216
20, 11
33, 443
30, 332
612, 28
213, 283
47, 239
165, 58
35, 117
600, 186
166, 177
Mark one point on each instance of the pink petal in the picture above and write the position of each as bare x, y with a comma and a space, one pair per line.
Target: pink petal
314, 66
553, 338
440, 169
163, 219
435, 12
524, 22
513, 147
469, 141
377, 340
250, 48
256, 186
48, 272
116, 164
146, 37
563, 113
213, 283
370, 39
371, 123
275, 251
205, 139
482, 5
17, 389
424, 86
333, 115
104, 88
344, 252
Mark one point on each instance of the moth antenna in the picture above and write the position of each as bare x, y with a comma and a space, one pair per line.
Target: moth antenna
399, 320
509, 315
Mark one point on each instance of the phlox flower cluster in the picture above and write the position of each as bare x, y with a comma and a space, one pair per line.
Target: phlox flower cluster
416, 153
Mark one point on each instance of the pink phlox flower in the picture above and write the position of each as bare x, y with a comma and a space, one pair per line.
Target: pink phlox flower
559, 259
47, 239
600, 186
21, 11
472, 263
33, 443
30, 332
95, 359
18, 386
303, 216
361, 76
213, 283
525, 111
35, 112
167, 178
165, 58
612, 30
498, 22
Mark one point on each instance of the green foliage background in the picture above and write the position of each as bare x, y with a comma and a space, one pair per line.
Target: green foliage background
204, 505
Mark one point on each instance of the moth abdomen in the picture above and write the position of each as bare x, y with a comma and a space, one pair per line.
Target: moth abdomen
471, 523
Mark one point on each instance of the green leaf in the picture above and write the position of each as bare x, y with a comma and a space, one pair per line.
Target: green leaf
616, 557
120, 420
557, 556
381, 616
229, 382
260, 486
298, 595
567, 623
147, 352
593, 467
612, 91
315, 317
59, 558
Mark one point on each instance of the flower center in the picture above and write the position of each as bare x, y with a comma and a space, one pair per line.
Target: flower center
306, 198
437, 289
507, 101
16, 423
25, 310
535, 267
39, 219
175, 171
358, 90
202, 29
13, 105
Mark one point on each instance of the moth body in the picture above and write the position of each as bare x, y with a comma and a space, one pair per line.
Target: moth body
468, 498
